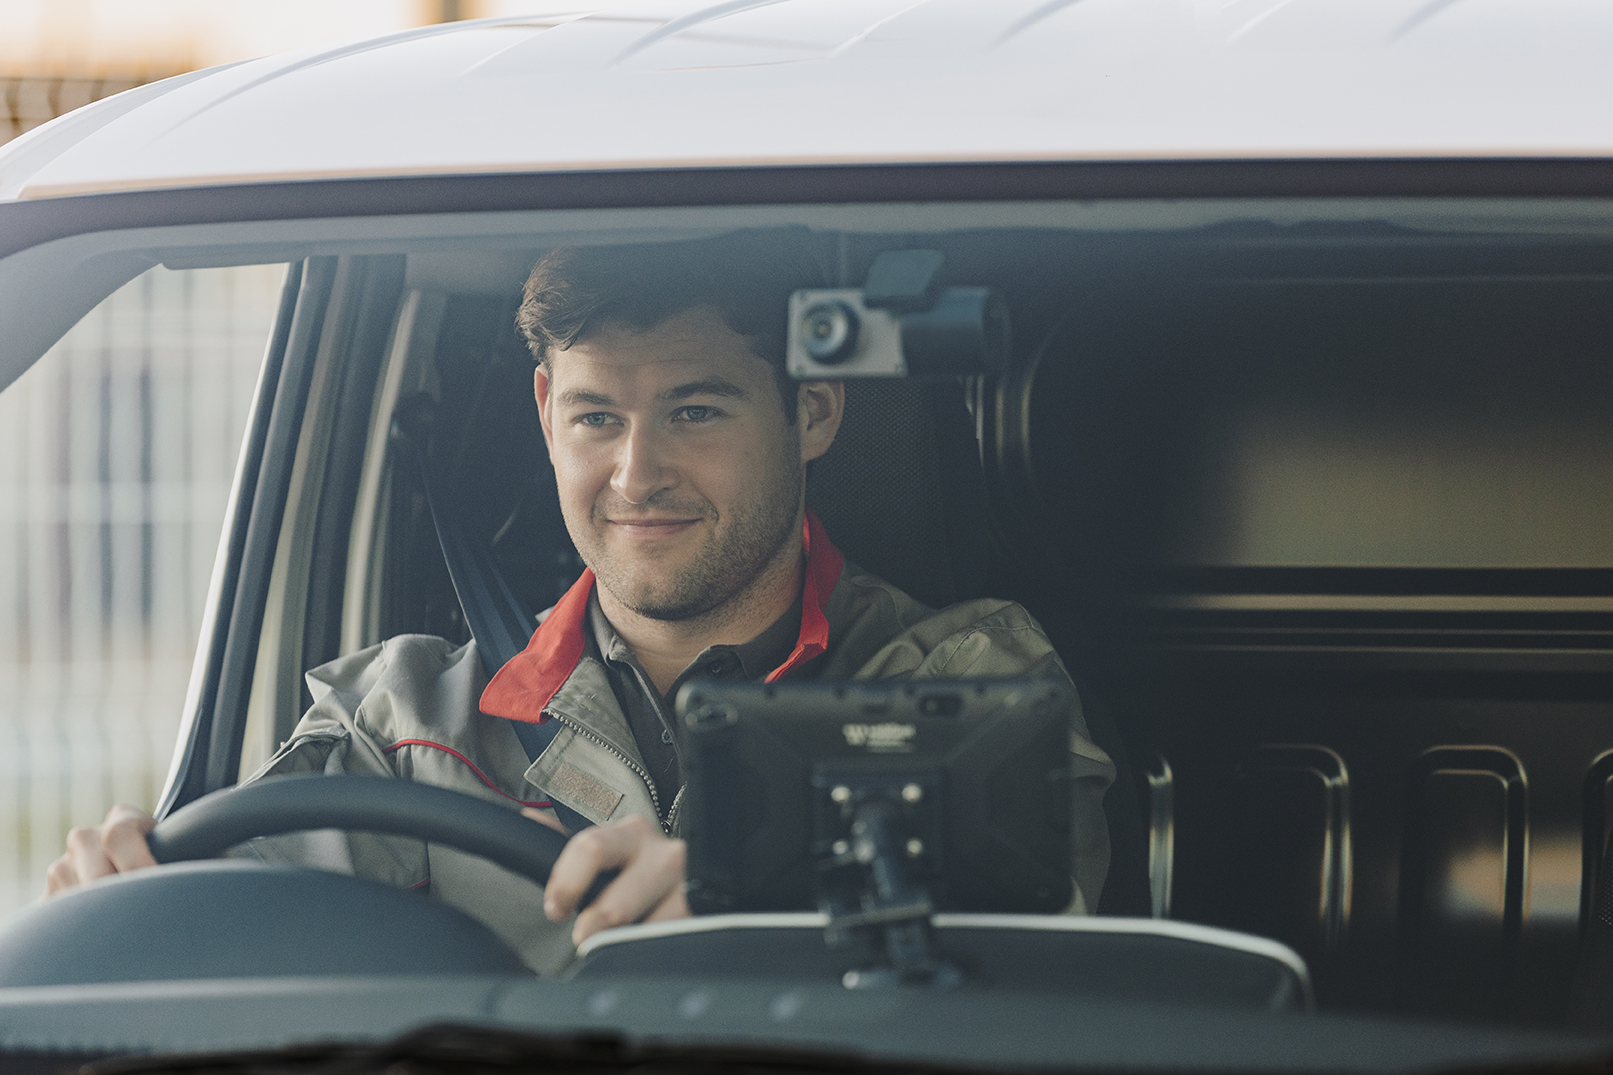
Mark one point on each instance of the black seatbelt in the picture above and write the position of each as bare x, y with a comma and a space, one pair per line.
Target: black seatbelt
498, 621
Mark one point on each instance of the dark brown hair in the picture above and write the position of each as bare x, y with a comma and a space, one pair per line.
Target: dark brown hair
746, 277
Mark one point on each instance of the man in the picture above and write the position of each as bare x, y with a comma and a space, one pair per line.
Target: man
680, 452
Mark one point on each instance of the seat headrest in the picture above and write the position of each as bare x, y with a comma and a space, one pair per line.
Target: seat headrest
901, 490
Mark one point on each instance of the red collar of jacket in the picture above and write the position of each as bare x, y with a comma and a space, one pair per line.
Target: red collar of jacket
523, 687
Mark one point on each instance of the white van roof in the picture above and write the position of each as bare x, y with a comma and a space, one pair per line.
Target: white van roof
692, 84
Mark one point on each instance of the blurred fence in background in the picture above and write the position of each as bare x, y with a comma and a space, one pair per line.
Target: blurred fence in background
116, 455
25, 103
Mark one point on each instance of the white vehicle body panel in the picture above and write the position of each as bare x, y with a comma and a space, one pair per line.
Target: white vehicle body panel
814, 82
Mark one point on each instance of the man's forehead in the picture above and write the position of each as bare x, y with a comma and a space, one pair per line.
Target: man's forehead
691, 347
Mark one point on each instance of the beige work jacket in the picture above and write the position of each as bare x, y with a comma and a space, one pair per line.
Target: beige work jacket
412, 707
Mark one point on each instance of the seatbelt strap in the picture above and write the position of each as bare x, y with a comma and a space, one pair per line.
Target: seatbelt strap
498, 621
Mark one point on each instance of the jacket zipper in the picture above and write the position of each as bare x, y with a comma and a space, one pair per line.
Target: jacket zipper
671, 821
639, 770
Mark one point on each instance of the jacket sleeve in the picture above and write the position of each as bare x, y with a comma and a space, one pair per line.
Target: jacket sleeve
991, 639
330, 739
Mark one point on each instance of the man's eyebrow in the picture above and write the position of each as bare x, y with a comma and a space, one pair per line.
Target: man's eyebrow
572, 396
710, 386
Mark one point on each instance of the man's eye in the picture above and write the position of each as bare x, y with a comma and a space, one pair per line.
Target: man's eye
696, 413
596, 419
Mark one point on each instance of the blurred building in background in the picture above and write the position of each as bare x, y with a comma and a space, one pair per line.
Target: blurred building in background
27, 101
117, 449
56, 55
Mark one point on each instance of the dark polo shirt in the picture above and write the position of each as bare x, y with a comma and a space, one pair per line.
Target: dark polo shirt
650, 715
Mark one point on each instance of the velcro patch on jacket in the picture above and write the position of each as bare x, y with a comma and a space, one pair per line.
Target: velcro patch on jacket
583, 792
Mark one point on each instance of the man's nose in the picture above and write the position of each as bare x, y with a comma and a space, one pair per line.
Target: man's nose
642, 466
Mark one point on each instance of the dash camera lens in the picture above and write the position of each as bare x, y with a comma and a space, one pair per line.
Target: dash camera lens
829, 332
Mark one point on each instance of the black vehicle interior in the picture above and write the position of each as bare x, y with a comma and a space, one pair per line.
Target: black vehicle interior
1318, 517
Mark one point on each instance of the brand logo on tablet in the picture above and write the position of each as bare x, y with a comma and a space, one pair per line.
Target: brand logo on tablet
883, 738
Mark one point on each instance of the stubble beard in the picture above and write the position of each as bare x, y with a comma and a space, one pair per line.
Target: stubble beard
734, 556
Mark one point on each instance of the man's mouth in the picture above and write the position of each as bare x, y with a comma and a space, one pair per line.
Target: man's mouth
652, 527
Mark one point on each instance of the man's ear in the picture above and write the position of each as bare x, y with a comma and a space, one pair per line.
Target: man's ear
540, 392
819, 406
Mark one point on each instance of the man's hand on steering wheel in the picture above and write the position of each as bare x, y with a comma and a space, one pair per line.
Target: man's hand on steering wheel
649, 889
117, 845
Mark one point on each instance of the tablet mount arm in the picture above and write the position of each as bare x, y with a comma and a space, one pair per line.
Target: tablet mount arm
878, 850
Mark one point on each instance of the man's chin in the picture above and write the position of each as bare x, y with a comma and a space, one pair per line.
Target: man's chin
666, 608
644, 592
673, 613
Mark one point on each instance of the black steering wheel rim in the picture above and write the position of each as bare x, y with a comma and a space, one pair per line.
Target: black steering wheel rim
186, 921
277, 805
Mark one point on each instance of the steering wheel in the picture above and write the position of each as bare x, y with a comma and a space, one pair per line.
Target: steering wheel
276, 805
202, 917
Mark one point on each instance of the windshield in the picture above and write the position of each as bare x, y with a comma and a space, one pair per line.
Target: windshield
119, 447
1299, 505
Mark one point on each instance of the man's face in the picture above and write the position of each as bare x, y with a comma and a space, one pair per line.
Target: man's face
680, 477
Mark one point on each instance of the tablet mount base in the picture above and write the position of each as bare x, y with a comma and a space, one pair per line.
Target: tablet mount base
872, 871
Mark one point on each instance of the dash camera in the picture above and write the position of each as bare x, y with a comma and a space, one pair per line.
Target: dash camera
902, 323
